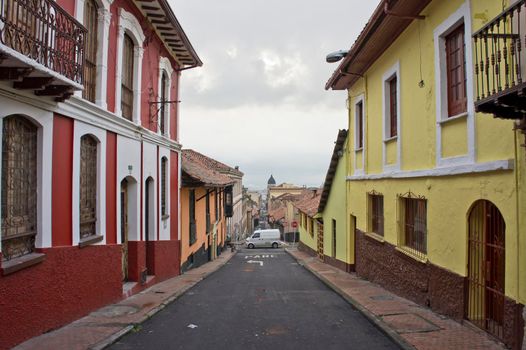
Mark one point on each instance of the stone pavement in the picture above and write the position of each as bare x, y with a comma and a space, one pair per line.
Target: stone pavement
104, 326
412, 326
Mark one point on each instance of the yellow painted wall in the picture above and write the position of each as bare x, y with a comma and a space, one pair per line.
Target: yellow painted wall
336, 209
305, 236
200, 218
449, 197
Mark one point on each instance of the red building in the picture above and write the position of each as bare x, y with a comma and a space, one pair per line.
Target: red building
90, 162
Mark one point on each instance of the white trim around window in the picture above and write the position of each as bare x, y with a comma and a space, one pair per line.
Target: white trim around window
165, 67
164, 227
393, 72
130, 25
44, 120
461, 15
359, 99
103, 33
81, 129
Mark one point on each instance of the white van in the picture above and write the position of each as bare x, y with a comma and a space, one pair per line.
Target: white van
264, 238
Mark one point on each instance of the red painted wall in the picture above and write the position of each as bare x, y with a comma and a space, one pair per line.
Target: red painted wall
165, 259
68, 5
174, 195
153, 49
136, 259
111, 188
70, 283
174, 113
62, 181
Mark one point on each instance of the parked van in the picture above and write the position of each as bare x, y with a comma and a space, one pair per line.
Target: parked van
264, 238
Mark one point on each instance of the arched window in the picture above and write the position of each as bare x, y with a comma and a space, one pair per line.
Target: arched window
163, 110
19, 187
127, 78
88, 186
164, 209
90, 67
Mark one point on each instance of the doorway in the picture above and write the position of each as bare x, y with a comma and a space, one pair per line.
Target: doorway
149, 221
124, 229
486, 267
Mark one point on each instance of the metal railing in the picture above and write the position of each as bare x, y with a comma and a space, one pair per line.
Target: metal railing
498, 53
44, 32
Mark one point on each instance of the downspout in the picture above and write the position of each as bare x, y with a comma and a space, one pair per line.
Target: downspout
517, 199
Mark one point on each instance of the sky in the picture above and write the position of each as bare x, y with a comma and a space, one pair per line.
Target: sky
259, 100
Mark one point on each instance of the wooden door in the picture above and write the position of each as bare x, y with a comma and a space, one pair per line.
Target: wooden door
124, 228
321, 255
486, 268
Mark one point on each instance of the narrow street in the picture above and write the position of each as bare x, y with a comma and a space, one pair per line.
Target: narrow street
262, 299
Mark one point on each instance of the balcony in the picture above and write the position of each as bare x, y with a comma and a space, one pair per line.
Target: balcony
500, 64
41, 48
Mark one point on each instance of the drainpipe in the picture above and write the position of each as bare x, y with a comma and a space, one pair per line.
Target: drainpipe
517, 193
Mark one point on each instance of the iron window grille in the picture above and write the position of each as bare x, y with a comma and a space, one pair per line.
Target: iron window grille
90, 66
208, 224
19, 187
191, 212
413, 219
88, 186
164, 212
162, 110
393, 107
127, 78
376, 213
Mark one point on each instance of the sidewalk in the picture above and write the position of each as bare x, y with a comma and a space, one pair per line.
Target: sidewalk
104, 326
410, 325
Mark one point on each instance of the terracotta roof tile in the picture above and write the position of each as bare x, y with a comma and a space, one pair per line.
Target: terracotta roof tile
310, 202
215, 164
197, 166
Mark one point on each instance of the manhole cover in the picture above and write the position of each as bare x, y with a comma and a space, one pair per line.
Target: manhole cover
116, 310
410, 323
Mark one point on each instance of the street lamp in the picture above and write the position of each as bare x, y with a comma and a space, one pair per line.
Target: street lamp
336, 56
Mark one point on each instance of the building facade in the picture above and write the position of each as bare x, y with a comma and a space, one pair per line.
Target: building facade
435, 192
90, 156
203, 210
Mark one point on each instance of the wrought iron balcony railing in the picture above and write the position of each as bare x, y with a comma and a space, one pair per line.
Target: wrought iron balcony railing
500, 65
45, 33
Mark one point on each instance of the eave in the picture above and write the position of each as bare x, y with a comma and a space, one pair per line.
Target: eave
167, 27
383, 28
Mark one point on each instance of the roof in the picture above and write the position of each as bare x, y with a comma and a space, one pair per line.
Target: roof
162, 18
271, 180
310, 202
388, 21
197, 171
336, 155
277, 214
217, 165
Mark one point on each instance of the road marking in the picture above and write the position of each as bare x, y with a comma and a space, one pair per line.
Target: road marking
259, 256
255, 262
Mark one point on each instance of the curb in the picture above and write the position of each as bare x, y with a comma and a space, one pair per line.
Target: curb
375, 320
129, 328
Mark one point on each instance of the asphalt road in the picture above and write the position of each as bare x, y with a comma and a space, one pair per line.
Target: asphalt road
262, 299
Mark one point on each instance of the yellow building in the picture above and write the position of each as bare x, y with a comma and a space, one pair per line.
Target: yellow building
435, 191
206, 202
307, 220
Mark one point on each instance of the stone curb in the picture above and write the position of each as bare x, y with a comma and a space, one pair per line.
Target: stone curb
375, 320
116, 336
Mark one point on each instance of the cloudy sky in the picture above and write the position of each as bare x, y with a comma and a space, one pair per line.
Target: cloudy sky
259, 100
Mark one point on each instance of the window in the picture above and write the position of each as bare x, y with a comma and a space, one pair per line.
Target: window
456, 72
162, 110
359, 125
191, 213
376, 209
88, 186
216, 204
414, 228
164, 211
90, 66
255, 235
127, 78
393, 107
19, 187
311, 227
333, 238
208, 226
